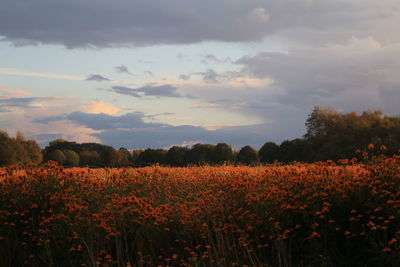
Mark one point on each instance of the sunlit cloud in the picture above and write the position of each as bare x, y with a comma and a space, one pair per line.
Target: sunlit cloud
39, 74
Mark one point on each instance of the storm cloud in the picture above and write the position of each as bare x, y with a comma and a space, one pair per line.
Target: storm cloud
132, 131
358, 75
84, 23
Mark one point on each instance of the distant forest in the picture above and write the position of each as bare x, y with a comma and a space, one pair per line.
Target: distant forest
330, 135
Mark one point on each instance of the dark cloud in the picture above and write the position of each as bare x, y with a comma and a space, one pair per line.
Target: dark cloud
131, 131
125, 91
7, 103
101, 121
357, 76
44, 139
96, 78
18, 102
149, 90
84, 23
168, 135
123, 69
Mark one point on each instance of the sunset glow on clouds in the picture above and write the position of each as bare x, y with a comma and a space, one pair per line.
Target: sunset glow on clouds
153, 73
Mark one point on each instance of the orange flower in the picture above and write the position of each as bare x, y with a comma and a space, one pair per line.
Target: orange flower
371, 146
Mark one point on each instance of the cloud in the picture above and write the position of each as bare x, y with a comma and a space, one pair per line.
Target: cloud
38, 74
6, 104
211, 76
120, 23
19, 112
122, 69
9, 103
149, 90
108, 122
359, 75
124, 91
149, 73
96, 78
97, 107
211, 58
131, 131
184, 77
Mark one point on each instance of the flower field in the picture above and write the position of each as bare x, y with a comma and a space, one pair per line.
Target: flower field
319, 214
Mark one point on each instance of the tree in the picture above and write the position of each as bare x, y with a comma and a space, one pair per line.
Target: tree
57, 156
294, 150
8, 154
126, 159
201, 154
269, 152
223, 154
176, 156
72, 157
34, 152
247, 155
152, 156
90, 158
18, 150
135, 155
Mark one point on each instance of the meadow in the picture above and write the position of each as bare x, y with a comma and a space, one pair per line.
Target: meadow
316, 214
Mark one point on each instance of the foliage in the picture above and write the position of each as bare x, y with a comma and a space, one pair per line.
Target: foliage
201, 154
269, 152
72, 158
223, 154
176, 156
334, 135
247, 155
58, 156
152, 156
90, 158
18, 150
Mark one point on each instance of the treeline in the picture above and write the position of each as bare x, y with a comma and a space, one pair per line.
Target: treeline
330, 135
18, 150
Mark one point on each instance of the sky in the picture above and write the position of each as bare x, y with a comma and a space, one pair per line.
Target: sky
156, 73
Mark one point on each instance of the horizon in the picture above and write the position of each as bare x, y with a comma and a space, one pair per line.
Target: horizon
156, 74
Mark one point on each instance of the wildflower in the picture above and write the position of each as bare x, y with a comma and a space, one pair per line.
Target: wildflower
314, 235
371, 146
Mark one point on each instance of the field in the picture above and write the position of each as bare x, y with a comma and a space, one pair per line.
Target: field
319, 214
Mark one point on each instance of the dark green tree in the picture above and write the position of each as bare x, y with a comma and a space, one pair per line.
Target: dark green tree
176, 156
72, 158
294, 150
223, 154
201, 154
57, 155
90, 158
247, 155
269, 152
152, 156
